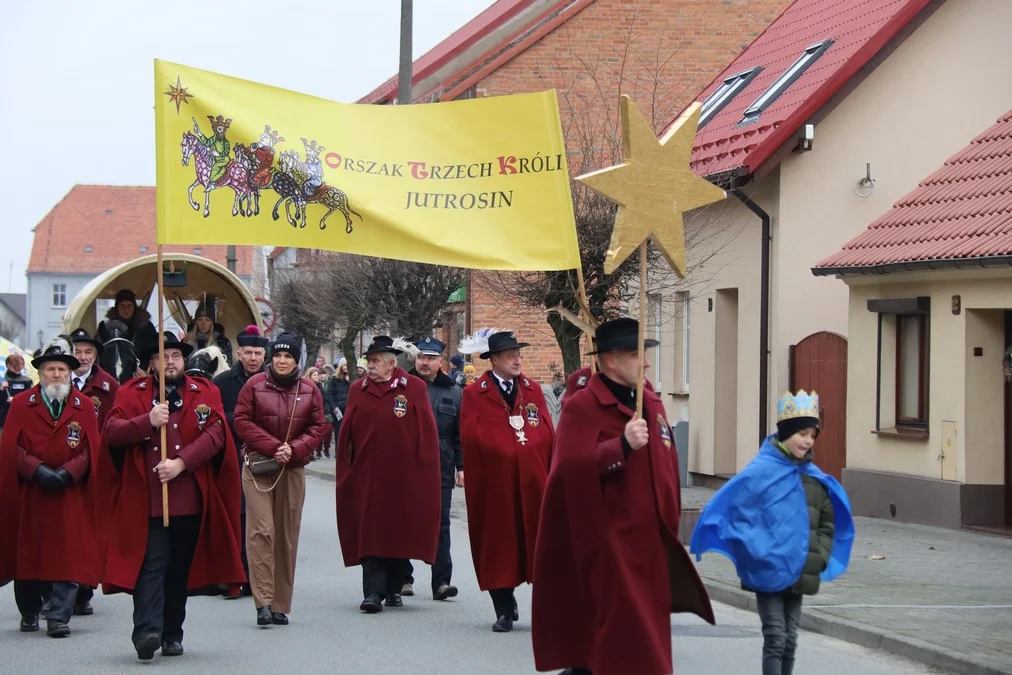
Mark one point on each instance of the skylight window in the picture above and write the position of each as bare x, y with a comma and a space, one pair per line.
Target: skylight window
797, 69
716, 101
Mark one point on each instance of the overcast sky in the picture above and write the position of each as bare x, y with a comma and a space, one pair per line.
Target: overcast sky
76, 89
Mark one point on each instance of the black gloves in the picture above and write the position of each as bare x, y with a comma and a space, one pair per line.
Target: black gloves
52, 479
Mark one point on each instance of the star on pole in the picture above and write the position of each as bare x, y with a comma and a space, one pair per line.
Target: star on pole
653, 186
178, 94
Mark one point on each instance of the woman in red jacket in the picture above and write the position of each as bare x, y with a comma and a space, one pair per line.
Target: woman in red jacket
279, 415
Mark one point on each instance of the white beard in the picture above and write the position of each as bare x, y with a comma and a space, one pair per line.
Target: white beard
57, 392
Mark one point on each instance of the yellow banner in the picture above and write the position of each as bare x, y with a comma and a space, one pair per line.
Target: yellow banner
479, 183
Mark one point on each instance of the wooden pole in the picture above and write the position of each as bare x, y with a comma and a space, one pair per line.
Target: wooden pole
585, 307
161, 377
643, 329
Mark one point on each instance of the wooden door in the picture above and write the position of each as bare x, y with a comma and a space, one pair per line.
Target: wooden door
819, 363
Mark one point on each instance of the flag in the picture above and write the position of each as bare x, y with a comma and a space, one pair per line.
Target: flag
479, 183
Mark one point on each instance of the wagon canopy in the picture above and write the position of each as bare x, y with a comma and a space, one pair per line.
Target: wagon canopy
236, 306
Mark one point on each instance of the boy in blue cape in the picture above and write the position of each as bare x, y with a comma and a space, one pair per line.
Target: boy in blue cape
785, 525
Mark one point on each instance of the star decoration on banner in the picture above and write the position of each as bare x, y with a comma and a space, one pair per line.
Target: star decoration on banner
178, 94
653, 186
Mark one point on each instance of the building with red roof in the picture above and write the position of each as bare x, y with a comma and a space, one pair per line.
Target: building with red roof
830, 116
930, 404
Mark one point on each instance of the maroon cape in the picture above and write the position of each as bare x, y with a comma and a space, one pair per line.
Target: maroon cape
123, 508
505, 479
577, 380
49, 536
609, 566
101, 388
388, 488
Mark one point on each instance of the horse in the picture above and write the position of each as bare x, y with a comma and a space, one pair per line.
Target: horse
236, 176
118, 357
327, 195
208, 363
247, 160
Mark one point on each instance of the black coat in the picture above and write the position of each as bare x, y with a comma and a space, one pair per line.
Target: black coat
16, 384
338, 393
445, 398
141, 332
230, 384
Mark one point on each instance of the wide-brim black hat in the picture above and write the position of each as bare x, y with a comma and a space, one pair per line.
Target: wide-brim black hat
500, 342
382, 343
81, 335
171, 341
619, 335
60, 350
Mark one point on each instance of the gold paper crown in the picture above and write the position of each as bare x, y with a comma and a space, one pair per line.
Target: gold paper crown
801, 404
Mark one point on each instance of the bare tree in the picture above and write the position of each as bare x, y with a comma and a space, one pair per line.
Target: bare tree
303, 300
589, 88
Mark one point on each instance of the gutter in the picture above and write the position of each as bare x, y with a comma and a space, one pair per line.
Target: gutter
915, 265
764, 311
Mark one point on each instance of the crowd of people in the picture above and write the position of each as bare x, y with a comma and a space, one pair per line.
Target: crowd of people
172, 485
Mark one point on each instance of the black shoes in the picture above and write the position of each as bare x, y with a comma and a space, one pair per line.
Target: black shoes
84, 609
279, 619
394, 600
372, 604
516, 610
57, 629
444, 592
264, 616
503, 625
172, 648
147, 646
246, 591
29, 624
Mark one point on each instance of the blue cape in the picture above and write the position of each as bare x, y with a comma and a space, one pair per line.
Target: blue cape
759, 520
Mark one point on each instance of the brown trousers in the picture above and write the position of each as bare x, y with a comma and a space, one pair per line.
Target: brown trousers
273, 521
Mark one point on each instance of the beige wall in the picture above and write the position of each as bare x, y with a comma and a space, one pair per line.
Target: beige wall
965, 390
941, 87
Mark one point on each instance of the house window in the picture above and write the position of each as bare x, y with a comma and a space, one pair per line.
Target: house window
684, 297
730, 87
654, 306
911, 370
59, 295
789, 76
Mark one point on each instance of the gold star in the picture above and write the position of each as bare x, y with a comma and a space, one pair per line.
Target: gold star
653, 186
178, 94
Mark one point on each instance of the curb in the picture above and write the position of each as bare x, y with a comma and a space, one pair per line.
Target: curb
325, 475
850, 631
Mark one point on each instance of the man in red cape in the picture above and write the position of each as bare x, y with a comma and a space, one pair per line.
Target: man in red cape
47, 460
609, 567
388, 488
506, 434
199, 550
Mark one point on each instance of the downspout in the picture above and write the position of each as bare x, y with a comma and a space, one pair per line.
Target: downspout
764, 312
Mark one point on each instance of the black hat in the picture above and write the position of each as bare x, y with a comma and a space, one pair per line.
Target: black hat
207, 309
500, 342
287, 342
124, 295
251, 337
81, 335
430, 345
619, 335
171, 341
382, 343
59, 349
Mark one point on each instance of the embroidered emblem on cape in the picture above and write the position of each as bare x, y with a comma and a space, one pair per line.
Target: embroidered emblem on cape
532, 414
401, 405
484, 385
74, 434
203, 412
32, 399
404, 381
98, 403
105, 385
142, 385
665, 431
581, 381
193, 387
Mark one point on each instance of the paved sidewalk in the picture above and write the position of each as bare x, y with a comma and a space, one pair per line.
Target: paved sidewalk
942, 597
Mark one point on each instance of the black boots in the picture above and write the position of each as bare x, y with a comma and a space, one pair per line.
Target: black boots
57, 629
372, 604
172, 648
279, 619
29, 624
264, 616
147, 645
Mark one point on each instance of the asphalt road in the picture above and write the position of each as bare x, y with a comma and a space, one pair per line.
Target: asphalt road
328, 634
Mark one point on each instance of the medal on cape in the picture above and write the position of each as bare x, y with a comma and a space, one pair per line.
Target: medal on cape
400, 405
532, 414
73, 434
203, 411
665, 431
517, 422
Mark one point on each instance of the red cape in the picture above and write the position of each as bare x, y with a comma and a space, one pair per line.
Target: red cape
505, 479
606, 582
577, 380
45, 535
101, 389
388, 485
123, 509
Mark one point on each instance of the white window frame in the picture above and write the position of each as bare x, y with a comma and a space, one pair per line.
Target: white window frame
59, 290
686, 333
655, 304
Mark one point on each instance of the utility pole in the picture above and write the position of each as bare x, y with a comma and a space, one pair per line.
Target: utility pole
404, 72
230, 258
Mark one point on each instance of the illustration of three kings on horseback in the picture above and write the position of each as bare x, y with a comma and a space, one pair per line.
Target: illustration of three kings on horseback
252, 169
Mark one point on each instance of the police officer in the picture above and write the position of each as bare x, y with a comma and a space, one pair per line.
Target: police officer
445, 396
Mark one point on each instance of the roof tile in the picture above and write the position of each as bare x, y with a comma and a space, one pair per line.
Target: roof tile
961, 211
116, 222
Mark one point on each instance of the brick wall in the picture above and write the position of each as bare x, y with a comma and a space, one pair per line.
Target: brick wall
667, 51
